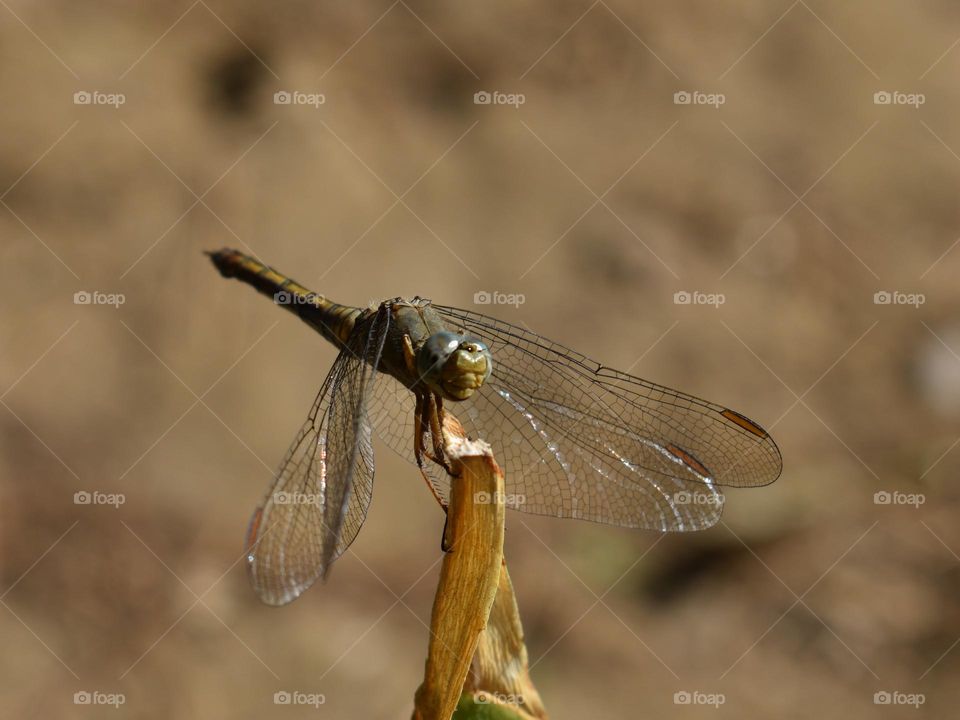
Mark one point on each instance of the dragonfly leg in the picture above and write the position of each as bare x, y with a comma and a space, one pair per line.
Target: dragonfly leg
419, 451
436, 425
433, 406
424, 406
436, 432
409, 356
418, 432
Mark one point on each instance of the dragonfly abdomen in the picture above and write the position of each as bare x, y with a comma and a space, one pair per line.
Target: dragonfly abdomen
334, 321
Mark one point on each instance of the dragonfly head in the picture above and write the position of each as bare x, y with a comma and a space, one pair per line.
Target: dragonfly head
454, 365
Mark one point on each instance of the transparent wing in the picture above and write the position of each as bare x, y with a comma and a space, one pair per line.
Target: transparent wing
391, 411
547, 472
565, 462
321, 493
580, 440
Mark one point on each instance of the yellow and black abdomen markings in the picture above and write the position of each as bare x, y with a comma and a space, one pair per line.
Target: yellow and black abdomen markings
334, 321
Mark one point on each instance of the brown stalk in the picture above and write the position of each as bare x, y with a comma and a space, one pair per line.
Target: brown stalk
474, 586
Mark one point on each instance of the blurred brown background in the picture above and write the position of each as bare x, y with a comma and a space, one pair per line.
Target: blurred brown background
600, 197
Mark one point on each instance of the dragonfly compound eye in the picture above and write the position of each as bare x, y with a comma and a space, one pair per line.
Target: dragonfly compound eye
454, 365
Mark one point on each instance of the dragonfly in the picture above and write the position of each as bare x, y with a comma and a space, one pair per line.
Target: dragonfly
575, 439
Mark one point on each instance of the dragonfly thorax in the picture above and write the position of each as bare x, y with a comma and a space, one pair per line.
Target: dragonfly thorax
453, 365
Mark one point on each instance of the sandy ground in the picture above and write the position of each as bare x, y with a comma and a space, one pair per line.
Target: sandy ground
783, 186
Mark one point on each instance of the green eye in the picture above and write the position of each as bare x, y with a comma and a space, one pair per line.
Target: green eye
453, 365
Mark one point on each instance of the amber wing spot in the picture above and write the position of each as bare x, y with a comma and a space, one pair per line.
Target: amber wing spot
689, 460
746, 423
253, 529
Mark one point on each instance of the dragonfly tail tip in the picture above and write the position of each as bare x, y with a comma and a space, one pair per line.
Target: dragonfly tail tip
220, 259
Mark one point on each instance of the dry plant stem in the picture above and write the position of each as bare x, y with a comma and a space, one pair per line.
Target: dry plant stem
468, 578
500, 668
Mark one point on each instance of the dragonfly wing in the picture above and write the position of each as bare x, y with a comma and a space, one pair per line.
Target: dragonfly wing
577, 439
556, 463
553, 466
321, 493
391, 411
